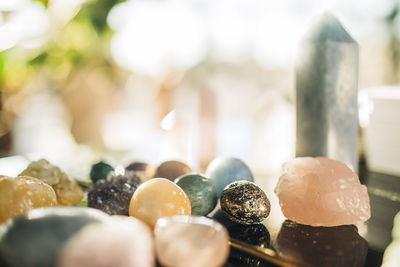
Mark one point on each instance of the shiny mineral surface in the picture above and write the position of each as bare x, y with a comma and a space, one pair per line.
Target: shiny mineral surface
245, 203
114, 194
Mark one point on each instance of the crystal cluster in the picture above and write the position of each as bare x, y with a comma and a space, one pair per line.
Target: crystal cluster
21, 194
322, 192
67, 190
114, 194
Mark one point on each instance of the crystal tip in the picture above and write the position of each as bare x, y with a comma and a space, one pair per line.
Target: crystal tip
327, 27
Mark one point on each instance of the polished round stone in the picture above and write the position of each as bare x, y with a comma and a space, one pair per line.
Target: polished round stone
224, 171
201, 192
172, 169
36, 238
158, 198
191, 241
21, 194
100, 171
245, 203
120, 242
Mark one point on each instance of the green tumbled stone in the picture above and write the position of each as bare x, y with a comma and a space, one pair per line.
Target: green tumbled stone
201, 192
99, 171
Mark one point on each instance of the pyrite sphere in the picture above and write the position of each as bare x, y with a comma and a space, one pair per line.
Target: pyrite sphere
201, 192
245, 203
158, 198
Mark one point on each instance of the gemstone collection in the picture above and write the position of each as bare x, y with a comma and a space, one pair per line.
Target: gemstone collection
142, 213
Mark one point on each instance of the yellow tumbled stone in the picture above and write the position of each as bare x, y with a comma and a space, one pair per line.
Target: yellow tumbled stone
158, 198
21, 194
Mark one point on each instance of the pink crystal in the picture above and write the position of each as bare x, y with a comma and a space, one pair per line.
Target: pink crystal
322, 192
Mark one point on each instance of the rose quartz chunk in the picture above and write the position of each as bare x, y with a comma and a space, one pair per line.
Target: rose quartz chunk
322, 192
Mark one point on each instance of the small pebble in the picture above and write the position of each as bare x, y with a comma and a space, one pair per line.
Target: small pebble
172, 169
245, 203
158, 198
100, 171
201, 192
143, 170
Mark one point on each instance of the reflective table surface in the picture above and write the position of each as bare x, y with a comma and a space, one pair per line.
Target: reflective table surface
281, 242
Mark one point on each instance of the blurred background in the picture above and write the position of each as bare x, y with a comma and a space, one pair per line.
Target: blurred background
152, 80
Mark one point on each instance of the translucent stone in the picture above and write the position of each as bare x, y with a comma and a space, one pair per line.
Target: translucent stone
172, 169
224, 171
119, 242
245, 203
21, 194
322, 192
67, 190
326, 93
114, 194
191, 241
158, 198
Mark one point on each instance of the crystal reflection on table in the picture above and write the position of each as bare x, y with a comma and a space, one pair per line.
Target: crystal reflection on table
321, 246
301, 245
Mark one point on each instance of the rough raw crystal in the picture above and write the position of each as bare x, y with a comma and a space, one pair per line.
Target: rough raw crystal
201, 192
158, 198
34, 240
114, 194
120, 242
245, 203
224, 171
67, 190
326, 93
183, 241
100, 171
322, 192
172, 169
21, 194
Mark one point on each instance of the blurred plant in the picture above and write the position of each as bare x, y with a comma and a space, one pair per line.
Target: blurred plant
68, 48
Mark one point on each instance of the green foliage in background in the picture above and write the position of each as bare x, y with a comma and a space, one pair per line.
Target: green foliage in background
83, 41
